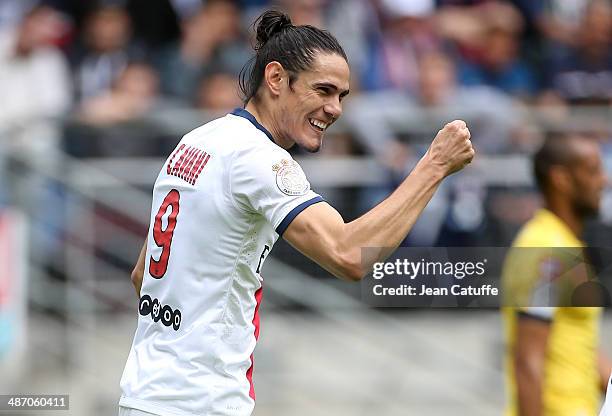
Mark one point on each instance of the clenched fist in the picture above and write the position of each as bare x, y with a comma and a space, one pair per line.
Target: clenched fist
451, 149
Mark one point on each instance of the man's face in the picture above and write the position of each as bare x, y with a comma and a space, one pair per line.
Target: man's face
588, 177
436, 79
313, 101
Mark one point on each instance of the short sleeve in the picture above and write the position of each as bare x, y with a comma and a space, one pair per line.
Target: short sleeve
542, 298
542, 313
531, 281
269, 182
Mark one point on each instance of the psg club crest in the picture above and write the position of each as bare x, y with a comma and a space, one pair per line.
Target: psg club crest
290, 178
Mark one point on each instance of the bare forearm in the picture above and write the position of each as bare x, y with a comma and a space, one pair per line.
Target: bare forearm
529, 363
387, 224
529, 391
320, 232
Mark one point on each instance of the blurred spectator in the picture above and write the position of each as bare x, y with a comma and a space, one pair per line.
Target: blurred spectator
351, 21
134, 93
403, 34
152, 23
218, 93
375, 118
306, 12
36, 92
104, 51
584, 73
500, 66
126, 121
489, 39
155, 22
210, 40
12, 11
560, 20
490, 114
186, 8
249, 4
465, 22
34, 76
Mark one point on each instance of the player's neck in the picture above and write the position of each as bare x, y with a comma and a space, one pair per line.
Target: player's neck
568, 216
266, 119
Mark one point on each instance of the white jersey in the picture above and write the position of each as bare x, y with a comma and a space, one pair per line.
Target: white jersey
221, 200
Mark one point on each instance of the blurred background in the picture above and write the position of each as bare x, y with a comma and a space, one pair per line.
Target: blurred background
95, 94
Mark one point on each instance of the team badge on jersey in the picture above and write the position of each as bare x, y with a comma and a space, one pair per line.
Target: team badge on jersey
550, 269
290, 178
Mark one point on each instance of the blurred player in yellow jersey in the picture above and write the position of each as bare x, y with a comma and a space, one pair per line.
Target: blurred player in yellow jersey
553, 362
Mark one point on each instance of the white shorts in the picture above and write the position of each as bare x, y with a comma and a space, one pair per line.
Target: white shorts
124, 411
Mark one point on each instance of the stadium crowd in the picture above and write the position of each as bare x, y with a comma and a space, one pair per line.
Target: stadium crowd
113, 71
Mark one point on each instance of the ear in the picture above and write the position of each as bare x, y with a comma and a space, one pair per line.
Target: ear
274, 77
560, 179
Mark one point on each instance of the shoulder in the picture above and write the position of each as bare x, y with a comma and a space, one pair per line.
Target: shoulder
535, 232
265, 159
546, 230
532, 234
221, 126
237, 138
256, 158
269, 167
232, 133
251, 142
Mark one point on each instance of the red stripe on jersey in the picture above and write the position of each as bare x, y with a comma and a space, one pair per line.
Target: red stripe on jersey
249, 373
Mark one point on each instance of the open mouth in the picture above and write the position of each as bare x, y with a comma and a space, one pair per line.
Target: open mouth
317, 124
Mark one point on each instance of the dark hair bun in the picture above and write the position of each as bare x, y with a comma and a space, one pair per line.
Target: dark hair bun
270, 23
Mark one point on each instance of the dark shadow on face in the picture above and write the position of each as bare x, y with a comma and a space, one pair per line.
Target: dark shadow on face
588, 177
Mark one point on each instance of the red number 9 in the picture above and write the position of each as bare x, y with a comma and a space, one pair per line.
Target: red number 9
163, 238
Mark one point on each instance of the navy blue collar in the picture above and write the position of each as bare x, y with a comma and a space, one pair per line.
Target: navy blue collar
241, 112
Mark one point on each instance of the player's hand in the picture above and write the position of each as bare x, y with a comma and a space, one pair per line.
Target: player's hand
451, 149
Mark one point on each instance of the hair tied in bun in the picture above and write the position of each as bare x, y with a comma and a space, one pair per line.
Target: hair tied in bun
269, 24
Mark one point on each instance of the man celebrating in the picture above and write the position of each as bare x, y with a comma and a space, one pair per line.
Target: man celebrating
553, 364
220, 202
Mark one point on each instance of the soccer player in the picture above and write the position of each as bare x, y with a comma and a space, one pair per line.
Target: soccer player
553, 362
221, 200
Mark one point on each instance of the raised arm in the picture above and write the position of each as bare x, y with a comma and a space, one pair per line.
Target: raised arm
320, 233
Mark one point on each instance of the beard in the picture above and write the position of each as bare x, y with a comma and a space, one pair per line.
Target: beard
585, 209
312, 150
